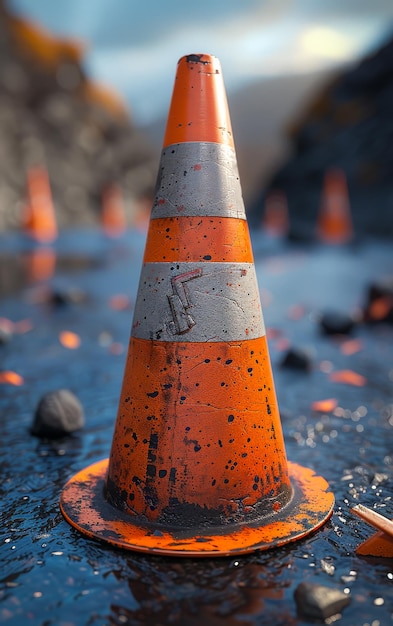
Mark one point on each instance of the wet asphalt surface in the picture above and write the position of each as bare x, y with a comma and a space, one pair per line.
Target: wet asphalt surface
52, 575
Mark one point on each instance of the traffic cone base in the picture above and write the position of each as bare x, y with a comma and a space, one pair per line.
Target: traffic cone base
198, 464
86, 508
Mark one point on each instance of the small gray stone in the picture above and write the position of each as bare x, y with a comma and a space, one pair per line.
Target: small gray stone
319, 601
58, 413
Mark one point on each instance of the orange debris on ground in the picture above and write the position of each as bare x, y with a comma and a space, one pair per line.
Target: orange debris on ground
23, 326
296, 312
324, 406
69, 339
381, 543
119, 302
351, 346
116, 348
11, 378
348, 377
379, 308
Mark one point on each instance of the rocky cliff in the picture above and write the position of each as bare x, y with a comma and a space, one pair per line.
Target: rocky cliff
51, 114
349, 126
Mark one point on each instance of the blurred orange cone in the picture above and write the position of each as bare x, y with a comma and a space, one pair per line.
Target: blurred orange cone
381, 543
334, 225
276, 219
113, 215
40, 220
40, 264
198, 464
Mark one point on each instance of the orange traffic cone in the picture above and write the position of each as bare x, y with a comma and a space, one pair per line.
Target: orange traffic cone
198, 464
113, 216
275, 218
40, 264
39, 220
381, 543
334, 225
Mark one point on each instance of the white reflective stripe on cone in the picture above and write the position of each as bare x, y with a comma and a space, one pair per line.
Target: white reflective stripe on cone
198, 178
198, 302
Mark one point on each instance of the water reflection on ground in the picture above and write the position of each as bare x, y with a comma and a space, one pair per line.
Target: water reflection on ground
51, 575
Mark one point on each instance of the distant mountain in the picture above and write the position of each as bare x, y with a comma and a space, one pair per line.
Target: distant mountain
348, 125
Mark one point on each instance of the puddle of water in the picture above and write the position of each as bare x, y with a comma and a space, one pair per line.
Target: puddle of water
52, 575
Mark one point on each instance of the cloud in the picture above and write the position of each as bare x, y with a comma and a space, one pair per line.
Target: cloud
135, 46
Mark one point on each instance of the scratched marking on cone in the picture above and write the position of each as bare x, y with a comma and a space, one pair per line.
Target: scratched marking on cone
179, 302
187, 302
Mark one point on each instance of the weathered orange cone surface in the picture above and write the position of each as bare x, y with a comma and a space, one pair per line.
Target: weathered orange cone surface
334, 224
40, 218
198, 464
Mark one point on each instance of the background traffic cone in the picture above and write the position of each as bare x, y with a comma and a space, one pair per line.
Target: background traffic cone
40, 263
275, 218
39, 220
198, 463
334, 225
113, 216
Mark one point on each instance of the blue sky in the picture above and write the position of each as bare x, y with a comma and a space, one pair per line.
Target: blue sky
134, 46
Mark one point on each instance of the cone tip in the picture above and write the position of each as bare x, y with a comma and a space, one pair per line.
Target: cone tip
201, 58
199, 109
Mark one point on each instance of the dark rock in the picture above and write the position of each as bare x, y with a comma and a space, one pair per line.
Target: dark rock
379, 301
336, 323
61, 297
59, 413
319, 601
297, 358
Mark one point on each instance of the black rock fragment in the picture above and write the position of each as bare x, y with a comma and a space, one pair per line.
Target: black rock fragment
61, 297
297, 358
59, 413
336, 323
319, 601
